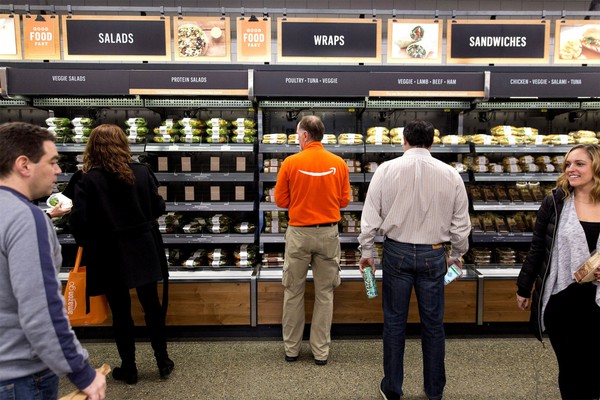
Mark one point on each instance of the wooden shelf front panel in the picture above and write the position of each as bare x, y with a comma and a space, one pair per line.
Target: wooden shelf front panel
203, 303
500, 302
352, 306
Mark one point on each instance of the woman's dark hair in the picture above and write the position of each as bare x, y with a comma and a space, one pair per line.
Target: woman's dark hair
419, 133
314, 126
108, 149
21, 139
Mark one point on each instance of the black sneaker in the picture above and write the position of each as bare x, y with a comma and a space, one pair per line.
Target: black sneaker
291, 358
387, 395
320, 362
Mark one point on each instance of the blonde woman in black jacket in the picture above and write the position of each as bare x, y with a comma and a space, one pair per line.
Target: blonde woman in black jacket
567, 231
115, 207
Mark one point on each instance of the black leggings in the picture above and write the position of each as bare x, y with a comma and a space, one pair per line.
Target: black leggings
119, 301
572, 320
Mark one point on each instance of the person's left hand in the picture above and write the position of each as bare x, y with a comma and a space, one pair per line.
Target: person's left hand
57, 211
597, 273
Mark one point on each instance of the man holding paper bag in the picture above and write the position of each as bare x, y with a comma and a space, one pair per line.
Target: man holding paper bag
566, 233
37, 343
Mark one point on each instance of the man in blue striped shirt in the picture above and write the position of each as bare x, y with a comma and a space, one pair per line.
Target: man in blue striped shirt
37, 343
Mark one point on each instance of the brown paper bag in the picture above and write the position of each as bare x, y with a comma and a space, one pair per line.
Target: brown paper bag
78, 394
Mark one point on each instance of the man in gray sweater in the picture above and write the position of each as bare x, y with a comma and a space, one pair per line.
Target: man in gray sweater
37, 343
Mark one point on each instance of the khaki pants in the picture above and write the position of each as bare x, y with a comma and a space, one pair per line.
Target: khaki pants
319, 246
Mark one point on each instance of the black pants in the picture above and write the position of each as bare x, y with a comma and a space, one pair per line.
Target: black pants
572, 320
119, 301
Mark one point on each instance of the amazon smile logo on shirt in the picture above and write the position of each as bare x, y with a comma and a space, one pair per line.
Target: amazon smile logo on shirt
331, 171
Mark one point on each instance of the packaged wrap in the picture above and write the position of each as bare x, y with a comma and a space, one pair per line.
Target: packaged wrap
275, 138
350, 138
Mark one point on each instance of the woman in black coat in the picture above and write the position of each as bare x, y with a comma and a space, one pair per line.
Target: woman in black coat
115, 207
567, 231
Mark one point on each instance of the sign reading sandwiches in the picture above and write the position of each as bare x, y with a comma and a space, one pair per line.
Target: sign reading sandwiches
41, 37
117, 38
329, 40
498, 42
577, 42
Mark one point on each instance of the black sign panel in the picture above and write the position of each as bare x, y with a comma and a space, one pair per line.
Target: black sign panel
381, 83
328, 39
310, 84
222, 80
116, 37
498, 41
67, 82
544, 85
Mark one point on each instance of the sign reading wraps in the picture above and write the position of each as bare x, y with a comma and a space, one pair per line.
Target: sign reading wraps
544, 84
310, 83
215, 83
67, 82
329, 40
117, 38
430, 84
496, 42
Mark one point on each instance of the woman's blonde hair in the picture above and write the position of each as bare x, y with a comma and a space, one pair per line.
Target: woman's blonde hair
593, 151
108, 148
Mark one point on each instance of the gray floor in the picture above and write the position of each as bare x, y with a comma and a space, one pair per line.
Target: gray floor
514, 368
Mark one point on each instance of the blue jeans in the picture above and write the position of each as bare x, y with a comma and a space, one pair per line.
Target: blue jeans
39, 386
420, 266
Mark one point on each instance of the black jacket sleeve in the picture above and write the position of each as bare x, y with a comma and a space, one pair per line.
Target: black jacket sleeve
537, 252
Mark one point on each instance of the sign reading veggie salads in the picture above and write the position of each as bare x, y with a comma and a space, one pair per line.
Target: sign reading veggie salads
202, 38
116, 38
414, 41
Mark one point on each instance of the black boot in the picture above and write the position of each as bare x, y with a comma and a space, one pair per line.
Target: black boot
127, 373
165, 366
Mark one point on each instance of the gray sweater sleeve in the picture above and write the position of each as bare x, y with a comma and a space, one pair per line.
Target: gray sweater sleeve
41, 329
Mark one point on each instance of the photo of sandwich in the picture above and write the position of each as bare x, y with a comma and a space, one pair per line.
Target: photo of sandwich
591, 39
577, 42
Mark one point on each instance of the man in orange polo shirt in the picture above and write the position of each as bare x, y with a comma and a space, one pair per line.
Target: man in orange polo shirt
313, 185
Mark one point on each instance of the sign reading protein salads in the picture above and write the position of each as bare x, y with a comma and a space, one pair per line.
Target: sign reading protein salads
329, 40
41, 37
498, 42
190, 82
117, 38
